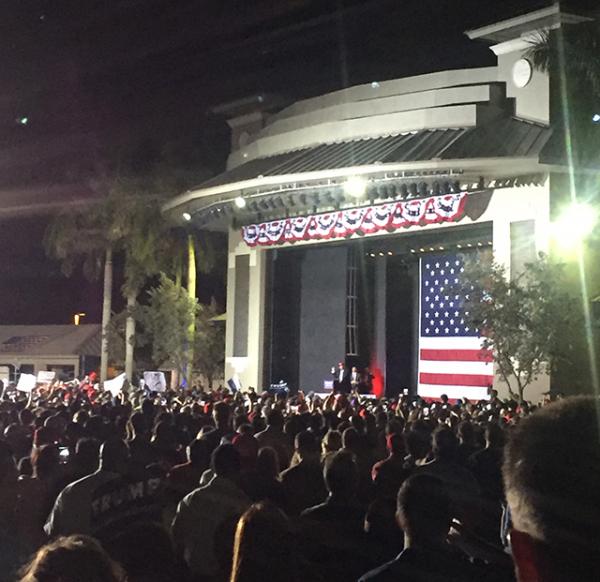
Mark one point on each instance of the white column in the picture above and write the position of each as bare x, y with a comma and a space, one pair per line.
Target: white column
248, 368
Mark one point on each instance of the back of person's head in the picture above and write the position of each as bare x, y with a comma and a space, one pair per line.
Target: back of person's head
221, 414
146, 553
226, 462
417, 443
494, 436
332, 441
306, 443
198, 453
87, 455
264, 548
444, 443
275, 418
114, 455
72, 559
8, 467
148, 407
138, 424
351, 439
423, 510
267, 463
552, 479
341, 474
46, 463
247, 446
466, 433
26, 417
164, 433
395, 444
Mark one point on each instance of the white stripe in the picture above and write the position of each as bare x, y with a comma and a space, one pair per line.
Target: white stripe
437, 367
470, 392
450, 343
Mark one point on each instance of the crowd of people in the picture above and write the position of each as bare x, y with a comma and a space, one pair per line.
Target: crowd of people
241, 487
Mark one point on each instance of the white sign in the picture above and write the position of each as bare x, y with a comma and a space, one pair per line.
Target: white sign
155, 381
115, 386
27, 382
44, 377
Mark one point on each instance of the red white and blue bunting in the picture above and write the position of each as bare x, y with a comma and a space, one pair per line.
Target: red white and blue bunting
366, 220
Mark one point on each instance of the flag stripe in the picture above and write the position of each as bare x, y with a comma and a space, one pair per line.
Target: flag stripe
442, 367
457, 355
456, 379
454, 343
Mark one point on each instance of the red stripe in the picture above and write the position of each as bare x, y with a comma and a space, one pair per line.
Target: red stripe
456, 379
458, 355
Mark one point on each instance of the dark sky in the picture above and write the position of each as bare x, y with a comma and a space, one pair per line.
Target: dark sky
98, 77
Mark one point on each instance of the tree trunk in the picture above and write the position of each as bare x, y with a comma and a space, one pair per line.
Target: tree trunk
106, 313
191, 288
130, 335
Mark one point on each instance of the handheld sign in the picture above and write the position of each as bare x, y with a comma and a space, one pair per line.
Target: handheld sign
26, 383
155, 381
115, 386
44, 377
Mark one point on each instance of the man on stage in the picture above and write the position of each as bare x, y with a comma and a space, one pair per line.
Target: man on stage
341, 379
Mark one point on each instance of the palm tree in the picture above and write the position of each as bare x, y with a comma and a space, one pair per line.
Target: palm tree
86, 237
144, 245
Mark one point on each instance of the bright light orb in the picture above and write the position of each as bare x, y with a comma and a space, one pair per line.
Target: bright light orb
355, 187
187, 216
240, 202
575, 223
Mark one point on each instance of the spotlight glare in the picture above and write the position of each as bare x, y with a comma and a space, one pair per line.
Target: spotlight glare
240, 202
355, 186
187, 216
596, 118
575, 223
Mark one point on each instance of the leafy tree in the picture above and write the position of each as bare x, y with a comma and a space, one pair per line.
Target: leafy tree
166, 320
527, 321
209, 345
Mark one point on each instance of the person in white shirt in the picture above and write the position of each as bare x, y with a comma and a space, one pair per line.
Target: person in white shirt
205, 522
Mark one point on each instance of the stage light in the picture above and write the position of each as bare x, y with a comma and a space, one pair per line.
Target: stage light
381, 254
413, 251
574, 224
375, 85
372, 255
596, 118
479, 244
459, 246
469, 245
390, 253
422, 250
440, 248
187, 216
355, 186
240, 202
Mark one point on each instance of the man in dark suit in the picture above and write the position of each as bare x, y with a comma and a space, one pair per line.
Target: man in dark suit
341, 379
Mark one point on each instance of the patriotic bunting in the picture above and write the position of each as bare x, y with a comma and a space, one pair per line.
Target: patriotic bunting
366, 220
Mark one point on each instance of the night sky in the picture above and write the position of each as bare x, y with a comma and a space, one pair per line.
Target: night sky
81, 80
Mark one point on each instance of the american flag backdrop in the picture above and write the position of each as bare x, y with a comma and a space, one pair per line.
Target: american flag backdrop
451, 359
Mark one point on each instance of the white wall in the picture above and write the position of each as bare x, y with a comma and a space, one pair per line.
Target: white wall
249, 369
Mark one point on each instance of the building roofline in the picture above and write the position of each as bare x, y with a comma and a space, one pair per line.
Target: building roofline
548, 17
510, 165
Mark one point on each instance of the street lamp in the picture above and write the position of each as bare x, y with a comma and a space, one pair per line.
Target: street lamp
77, 317
574, 224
